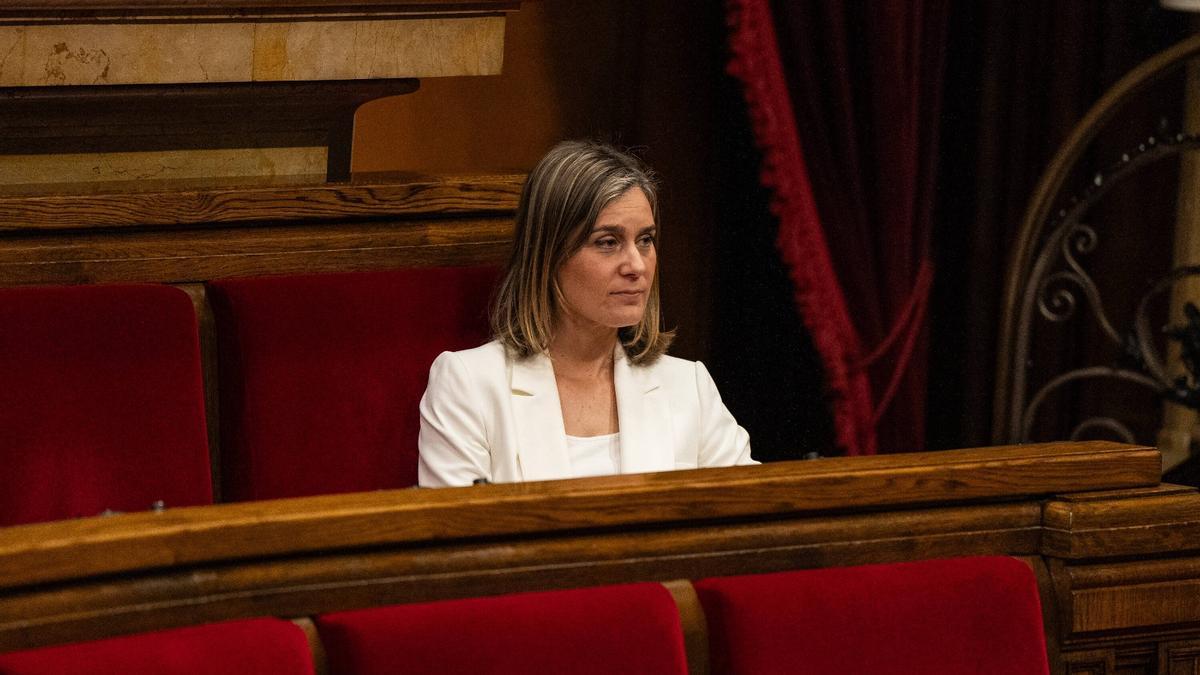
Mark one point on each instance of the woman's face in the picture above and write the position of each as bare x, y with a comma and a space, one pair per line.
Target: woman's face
606, 283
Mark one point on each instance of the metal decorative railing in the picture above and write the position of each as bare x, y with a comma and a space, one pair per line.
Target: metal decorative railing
1060, 283
1048, 283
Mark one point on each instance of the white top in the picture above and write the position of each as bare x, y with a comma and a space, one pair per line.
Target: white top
594, 455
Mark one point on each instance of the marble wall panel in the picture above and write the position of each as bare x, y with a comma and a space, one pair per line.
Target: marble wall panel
50, 55
172, 53
166, 165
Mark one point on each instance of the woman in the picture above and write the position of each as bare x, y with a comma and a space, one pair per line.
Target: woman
576, 382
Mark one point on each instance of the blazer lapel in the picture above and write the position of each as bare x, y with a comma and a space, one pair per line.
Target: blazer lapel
541, 439
644, 415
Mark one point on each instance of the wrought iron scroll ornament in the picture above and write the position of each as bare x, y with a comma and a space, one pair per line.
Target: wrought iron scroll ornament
1059, 284
1184, 389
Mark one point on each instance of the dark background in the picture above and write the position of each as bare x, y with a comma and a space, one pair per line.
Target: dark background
651, 75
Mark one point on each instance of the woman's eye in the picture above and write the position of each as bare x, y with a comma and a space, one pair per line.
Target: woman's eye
646, 241
607, 243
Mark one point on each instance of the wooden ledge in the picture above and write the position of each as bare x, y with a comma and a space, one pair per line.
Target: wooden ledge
275, 200
1162, 520
182, 9
59, 551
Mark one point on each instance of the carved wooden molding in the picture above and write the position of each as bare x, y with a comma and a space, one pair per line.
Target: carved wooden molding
1093, 662
1124, 564
1163, 519
1180, 658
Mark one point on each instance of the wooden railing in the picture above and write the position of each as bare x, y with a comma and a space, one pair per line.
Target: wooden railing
1117, 553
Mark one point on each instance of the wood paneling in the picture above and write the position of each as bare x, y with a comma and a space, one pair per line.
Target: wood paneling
1162, 519
1180, 658
144, 204
1096, 662
131, 572
97, 577
192, 234
34, 553
179, 257
338, 578
1125, 568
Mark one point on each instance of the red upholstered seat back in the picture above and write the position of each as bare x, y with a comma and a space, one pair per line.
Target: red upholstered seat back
101, 402
966, 615
632, 629
321, 375
259, 646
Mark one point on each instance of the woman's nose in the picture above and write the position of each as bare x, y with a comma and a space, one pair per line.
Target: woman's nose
633, 263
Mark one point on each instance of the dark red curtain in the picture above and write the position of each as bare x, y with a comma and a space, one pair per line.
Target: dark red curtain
844, 100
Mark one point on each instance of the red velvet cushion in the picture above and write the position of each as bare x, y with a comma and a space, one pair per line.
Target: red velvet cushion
259, 646
966, 615
101, 402
321, 375
627, 629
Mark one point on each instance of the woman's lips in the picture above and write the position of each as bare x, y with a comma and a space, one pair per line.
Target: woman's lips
629, 297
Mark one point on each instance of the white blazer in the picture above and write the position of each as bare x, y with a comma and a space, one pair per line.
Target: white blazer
487, 416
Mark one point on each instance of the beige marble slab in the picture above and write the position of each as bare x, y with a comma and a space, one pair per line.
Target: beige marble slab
165, 165
178, 53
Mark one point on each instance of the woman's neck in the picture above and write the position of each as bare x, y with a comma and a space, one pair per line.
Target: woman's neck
582, 351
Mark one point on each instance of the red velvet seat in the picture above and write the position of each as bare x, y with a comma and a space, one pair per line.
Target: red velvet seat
101, 402
321, 375
631, 629
965, 615
259, 646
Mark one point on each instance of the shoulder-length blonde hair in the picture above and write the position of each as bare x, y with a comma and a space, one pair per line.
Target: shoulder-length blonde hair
560, 203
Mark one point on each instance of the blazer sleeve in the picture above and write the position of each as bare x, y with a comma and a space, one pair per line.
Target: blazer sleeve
722, 441
453, 439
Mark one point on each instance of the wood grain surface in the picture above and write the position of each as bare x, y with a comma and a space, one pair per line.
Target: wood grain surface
1119, 604
1125, 566
350, 579
193, 231
196, 256
141, 205
46, 552
183, 593
1162, 520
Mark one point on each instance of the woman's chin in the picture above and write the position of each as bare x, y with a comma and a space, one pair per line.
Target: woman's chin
626, 321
